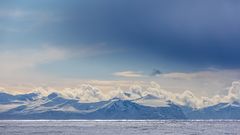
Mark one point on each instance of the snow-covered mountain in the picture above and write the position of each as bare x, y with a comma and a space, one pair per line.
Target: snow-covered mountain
219, 111
8, 98
126, 109
56, 106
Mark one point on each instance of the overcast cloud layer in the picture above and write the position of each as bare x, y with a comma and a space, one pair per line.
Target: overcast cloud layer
182, 45
198, 33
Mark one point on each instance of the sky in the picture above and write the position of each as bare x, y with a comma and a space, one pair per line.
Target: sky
110, 44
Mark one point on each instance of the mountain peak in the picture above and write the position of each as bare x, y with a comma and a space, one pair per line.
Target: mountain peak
53, 95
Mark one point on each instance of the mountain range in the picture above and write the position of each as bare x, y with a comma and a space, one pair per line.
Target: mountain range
56, 106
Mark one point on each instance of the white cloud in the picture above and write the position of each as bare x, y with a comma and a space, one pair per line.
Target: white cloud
89, 93
23, 66
210, 74
3, 90
84, 93
128, 74
26, 20
24, 59
202, 83
134, 92
233, 93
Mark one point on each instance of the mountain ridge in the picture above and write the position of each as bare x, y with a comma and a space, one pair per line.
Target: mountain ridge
55, 106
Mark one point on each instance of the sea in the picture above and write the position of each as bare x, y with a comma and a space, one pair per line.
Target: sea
119, 127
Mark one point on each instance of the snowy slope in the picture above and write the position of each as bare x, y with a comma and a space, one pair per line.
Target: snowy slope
54, 106
219, 111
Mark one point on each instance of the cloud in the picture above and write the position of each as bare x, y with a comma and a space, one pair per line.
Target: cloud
173, 22
186, 98
134, 92
156, 72
3, 90
90, 93
84, 93
195, 75
23, 20
128, 74
176, 75
233, 93
202, 83
21, 66
17, 60
185, 90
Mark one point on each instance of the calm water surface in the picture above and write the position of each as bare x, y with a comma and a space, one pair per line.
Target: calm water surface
77, 127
